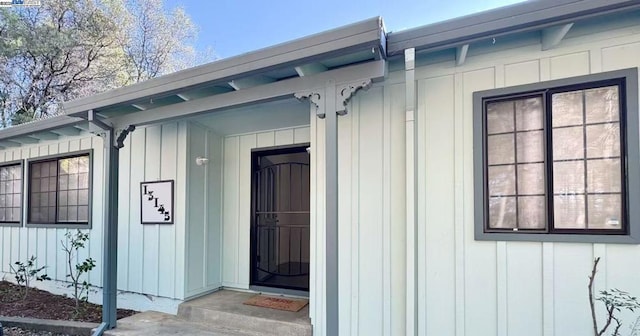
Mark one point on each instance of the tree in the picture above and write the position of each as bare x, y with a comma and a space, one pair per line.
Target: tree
67, 49
156, 41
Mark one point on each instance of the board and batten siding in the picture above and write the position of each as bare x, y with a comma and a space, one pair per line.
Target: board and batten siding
151, 257
20, 243
204, 212
468, 287
371, 178
236, 197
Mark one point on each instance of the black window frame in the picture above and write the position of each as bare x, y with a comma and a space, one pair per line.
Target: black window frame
627, 80
19, 163
60, 224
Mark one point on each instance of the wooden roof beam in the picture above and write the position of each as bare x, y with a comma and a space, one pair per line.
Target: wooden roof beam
552, 36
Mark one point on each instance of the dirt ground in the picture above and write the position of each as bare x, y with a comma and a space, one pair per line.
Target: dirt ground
44, 305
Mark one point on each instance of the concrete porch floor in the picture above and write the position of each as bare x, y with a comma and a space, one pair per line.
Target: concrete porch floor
219, 314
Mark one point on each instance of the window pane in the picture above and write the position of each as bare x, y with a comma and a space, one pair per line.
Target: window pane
34, 214
44, 169
83, 164
73, 197
63, 165
83, 180
35, 199
530, 146
567, 108
502, 180
603, 175
569, 212
16, 214
44, 184
602, 104
83, 197
531, 212
568, 177
16, 173
604, 212
603, 140
500, 117
529, 114
35, 170
500, 149
531, 179
44, 199
52, 199
16, 200
72, 214
73, 181
52, 215
73, 165
568, 143
63, 198
62, 213
83, 213
502, 212
35, 184
63, 182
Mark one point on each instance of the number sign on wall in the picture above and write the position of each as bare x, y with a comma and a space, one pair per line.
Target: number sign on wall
156, 203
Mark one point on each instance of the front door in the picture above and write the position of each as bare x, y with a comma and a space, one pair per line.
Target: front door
280, 232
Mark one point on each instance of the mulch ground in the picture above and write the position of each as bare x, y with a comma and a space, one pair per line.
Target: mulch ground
44, 305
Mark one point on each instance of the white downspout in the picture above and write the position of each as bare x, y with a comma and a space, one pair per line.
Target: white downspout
411, 194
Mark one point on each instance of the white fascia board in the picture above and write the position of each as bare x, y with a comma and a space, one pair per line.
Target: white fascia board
375, 70
526, 16
38, 126
331, 43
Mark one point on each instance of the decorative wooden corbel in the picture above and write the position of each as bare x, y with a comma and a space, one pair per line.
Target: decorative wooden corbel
314, 98
346, 92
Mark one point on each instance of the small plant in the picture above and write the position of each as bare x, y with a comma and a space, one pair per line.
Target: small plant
76, 241
615, 301
26, 272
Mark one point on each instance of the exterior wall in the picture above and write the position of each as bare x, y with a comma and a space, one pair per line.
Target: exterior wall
20, 243
468, 287
236, 197
151, 256
204, 212
371, 142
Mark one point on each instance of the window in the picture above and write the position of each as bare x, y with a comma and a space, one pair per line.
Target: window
556, 160
59, 190
11, 193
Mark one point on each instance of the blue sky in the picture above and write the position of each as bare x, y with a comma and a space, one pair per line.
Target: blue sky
232, 27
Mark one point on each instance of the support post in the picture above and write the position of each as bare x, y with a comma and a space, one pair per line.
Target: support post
334, 103
331, 216
110, 254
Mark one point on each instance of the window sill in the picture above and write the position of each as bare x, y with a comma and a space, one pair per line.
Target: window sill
557, 238
10, 224
86, 226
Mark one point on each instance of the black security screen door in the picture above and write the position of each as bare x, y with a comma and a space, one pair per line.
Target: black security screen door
280, 224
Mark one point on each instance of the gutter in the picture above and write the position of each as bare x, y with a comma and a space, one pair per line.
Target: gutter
528, 16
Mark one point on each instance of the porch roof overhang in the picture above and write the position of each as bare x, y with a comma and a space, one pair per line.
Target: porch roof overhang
324, 52
552, 18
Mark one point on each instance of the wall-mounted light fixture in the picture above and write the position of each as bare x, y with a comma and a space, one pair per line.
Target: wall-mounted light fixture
201, 161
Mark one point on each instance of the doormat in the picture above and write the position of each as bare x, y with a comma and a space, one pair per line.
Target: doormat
280, 303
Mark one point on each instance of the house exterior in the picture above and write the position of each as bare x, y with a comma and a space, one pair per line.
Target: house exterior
453, 179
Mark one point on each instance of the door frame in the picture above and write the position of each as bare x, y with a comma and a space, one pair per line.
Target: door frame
255, 154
